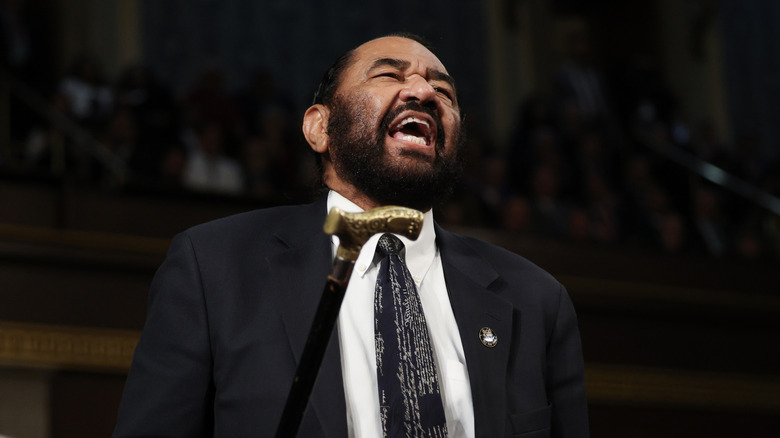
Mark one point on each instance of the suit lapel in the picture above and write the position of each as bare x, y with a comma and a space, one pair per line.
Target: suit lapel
300, 270
469, 280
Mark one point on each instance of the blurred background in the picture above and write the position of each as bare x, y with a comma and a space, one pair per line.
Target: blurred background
630, 148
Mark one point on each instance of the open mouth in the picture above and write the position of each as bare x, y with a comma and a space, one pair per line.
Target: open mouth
414, 129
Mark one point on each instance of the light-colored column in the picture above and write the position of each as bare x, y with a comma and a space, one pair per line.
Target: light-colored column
105, 29
24, 404
128, 30
5, 123
510, 64
697, 79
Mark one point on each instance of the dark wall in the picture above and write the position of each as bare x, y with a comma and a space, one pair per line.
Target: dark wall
751, 42
297, 41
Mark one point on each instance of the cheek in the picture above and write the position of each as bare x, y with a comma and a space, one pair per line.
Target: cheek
380, 107
371, 110
451, 123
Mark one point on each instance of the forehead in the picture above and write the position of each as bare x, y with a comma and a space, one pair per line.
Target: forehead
399, 48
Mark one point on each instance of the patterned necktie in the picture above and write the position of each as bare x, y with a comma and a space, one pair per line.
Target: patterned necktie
409, 398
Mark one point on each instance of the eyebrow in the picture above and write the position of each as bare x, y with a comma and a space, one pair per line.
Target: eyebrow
441, 76
391, 62
403, 65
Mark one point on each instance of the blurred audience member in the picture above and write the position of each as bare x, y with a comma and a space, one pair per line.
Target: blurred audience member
91, 99
276, 133
492, 188
171, 167
749, 245
516, 215
709, 222
207, 169
750, 164
120, 134
259, 168
154, 113
259, 99
536, 114
483, 192
707, 145
645, 208
671, 233
641, 95
603, 207
550, 211
579, 226
46, 148
579, 81
546, 150
210, 101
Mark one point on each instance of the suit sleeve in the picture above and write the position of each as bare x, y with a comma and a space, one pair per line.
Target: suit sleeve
169, 390
565, 374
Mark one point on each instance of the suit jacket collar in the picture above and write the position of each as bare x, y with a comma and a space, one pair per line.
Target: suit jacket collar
301, 267
472, 284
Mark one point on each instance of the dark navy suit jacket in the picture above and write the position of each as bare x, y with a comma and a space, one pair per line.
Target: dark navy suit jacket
230, 309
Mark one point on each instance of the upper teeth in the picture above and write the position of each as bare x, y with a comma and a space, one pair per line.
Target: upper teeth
414, 119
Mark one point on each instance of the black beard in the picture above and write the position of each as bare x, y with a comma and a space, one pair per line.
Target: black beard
360, 158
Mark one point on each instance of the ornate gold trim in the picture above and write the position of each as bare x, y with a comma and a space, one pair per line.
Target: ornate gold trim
48, 346
64, 347
620, 384
586, 287
83, 239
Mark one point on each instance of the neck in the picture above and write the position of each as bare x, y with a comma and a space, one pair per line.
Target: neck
350, 192
359, 198
347, 190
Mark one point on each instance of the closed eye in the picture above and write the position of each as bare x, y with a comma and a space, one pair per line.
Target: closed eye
444, 91
389, 74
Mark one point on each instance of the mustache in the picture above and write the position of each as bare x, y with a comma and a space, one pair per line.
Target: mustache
418, 107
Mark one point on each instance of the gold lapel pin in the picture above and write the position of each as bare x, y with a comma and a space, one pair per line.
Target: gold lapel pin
487, 337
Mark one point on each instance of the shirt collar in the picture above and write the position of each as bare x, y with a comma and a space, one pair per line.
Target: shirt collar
420, 253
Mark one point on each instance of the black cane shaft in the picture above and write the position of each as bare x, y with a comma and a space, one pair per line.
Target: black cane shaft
314, 350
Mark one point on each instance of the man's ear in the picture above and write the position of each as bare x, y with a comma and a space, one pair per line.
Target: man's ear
315, 127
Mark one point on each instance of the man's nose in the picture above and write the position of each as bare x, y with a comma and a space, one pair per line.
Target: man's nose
417, 88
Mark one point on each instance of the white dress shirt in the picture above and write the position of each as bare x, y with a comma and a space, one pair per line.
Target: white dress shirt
356, 333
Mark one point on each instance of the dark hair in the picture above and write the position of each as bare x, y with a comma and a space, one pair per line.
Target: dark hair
332, 78
330, 81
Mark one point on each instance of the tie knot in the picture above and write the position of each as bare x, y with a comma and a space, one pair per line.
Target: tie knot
389, 244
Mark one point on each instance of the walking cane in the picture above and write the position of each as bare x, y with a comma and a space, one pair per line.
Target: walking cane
353, 230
